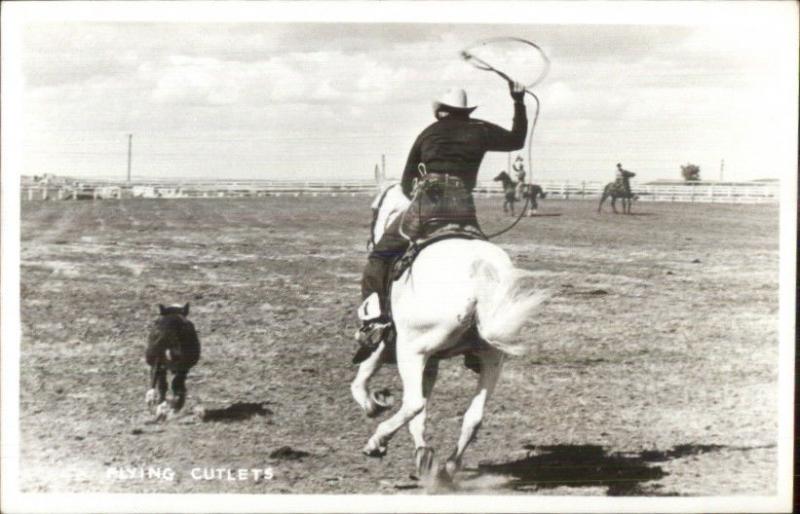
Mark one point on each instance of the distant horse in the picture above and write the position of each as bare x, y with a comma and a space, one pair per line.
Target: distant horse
509, 191
172, 346
460, 297
532, 192
617, 190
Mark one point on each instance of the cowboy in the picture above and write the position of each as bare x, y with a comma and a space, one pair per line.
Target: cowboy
449, 151
623, 178
519, 172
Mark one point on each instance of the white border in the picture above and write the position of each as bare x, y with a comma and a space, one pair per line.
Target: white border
748, 13
774, 17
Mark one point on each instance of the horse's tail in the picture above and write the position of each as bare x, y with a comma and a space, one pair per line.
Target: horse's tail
503, 305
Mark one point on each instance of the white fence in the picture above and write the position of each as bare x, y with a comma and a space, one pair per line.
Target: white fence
746, 192
751, 192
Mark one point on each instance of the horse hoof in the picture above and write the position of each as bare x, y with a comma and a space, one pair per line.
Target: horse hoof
374, 451
451, 468
424, 459
150, 397
379, 402
163, 411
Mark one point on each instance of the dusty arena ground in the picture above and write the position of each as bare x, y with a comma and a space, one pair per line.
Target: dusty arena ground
654, 370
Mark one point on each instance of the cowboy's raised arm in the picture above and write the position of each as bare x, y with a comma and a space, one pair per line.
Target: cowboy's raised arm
411, 170
499, 139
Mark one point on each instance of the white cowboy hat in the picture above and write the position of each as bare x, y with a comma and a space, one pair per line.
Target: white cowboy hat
453, 100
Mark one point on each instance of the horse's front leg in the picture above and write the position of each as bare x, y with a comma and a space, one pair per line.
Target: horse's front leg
359, 387
602, 199
411, 365
491, 366
423, 456
614, 204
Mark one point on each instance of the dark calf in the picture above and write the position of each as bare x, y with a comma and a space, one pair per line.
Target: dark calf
172, 346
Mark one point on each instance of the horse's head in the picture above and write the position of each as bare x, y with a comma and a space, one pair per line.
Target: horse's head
389, 204
502, 177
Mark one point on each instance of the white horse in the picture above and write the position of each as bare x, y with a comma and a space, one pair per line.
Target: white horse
459, 296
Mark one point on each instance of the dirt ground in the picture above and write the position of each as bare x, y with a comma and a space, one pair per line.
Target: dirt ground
654, 370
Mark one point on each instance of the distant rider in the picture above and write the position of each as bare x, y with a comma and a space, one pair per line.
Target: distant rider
623, 178
519, 174
450, 151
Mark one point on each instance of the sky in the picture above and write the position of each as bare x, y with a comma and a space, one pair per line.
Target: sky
259, 99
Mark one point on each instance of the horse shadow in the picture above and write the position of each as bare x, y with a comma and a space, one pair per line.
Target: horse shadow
549, 467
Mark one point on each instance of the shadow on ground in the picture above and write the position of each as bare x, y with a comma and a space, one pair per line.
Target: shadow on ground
235, 412
546, 467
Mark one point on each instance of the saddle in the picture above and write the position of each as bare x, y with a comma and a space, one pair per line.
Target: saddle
442, 208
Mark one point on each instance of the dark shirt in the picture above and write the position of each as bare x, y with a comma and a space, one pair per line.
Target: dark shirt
456, 145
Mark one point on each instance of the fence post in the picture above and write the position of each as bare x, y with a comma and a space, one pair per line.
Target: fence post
44, 193
583, 190
711, 194
30, 194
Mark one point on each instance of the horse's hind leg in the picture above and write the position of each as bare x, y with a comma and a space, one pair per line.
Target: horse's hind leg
491, 366
158, 385
359, 387
423, 456
411, 365
602, 199
151, 397
179, 389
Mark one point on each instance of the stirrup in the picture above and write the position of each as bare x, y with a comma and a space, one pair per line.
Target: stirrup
370, 336
373, 332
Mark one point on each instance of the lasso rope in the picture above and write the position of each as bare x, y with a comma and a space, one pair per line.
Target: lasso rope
481, 64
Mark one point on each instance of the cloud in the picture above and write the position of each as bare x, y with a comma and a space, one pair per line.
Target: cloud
349, 92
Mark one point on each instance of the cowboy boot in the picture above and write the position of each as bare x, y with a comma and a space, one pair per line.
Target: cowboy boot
373, 312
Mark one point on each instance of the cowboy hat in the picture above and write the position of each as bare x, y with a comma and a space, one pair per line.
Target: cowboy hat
453, 100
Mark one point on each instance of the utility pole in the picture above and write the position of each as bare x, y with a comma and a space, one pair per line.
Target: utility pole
721, 169
130, 143
383, 166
